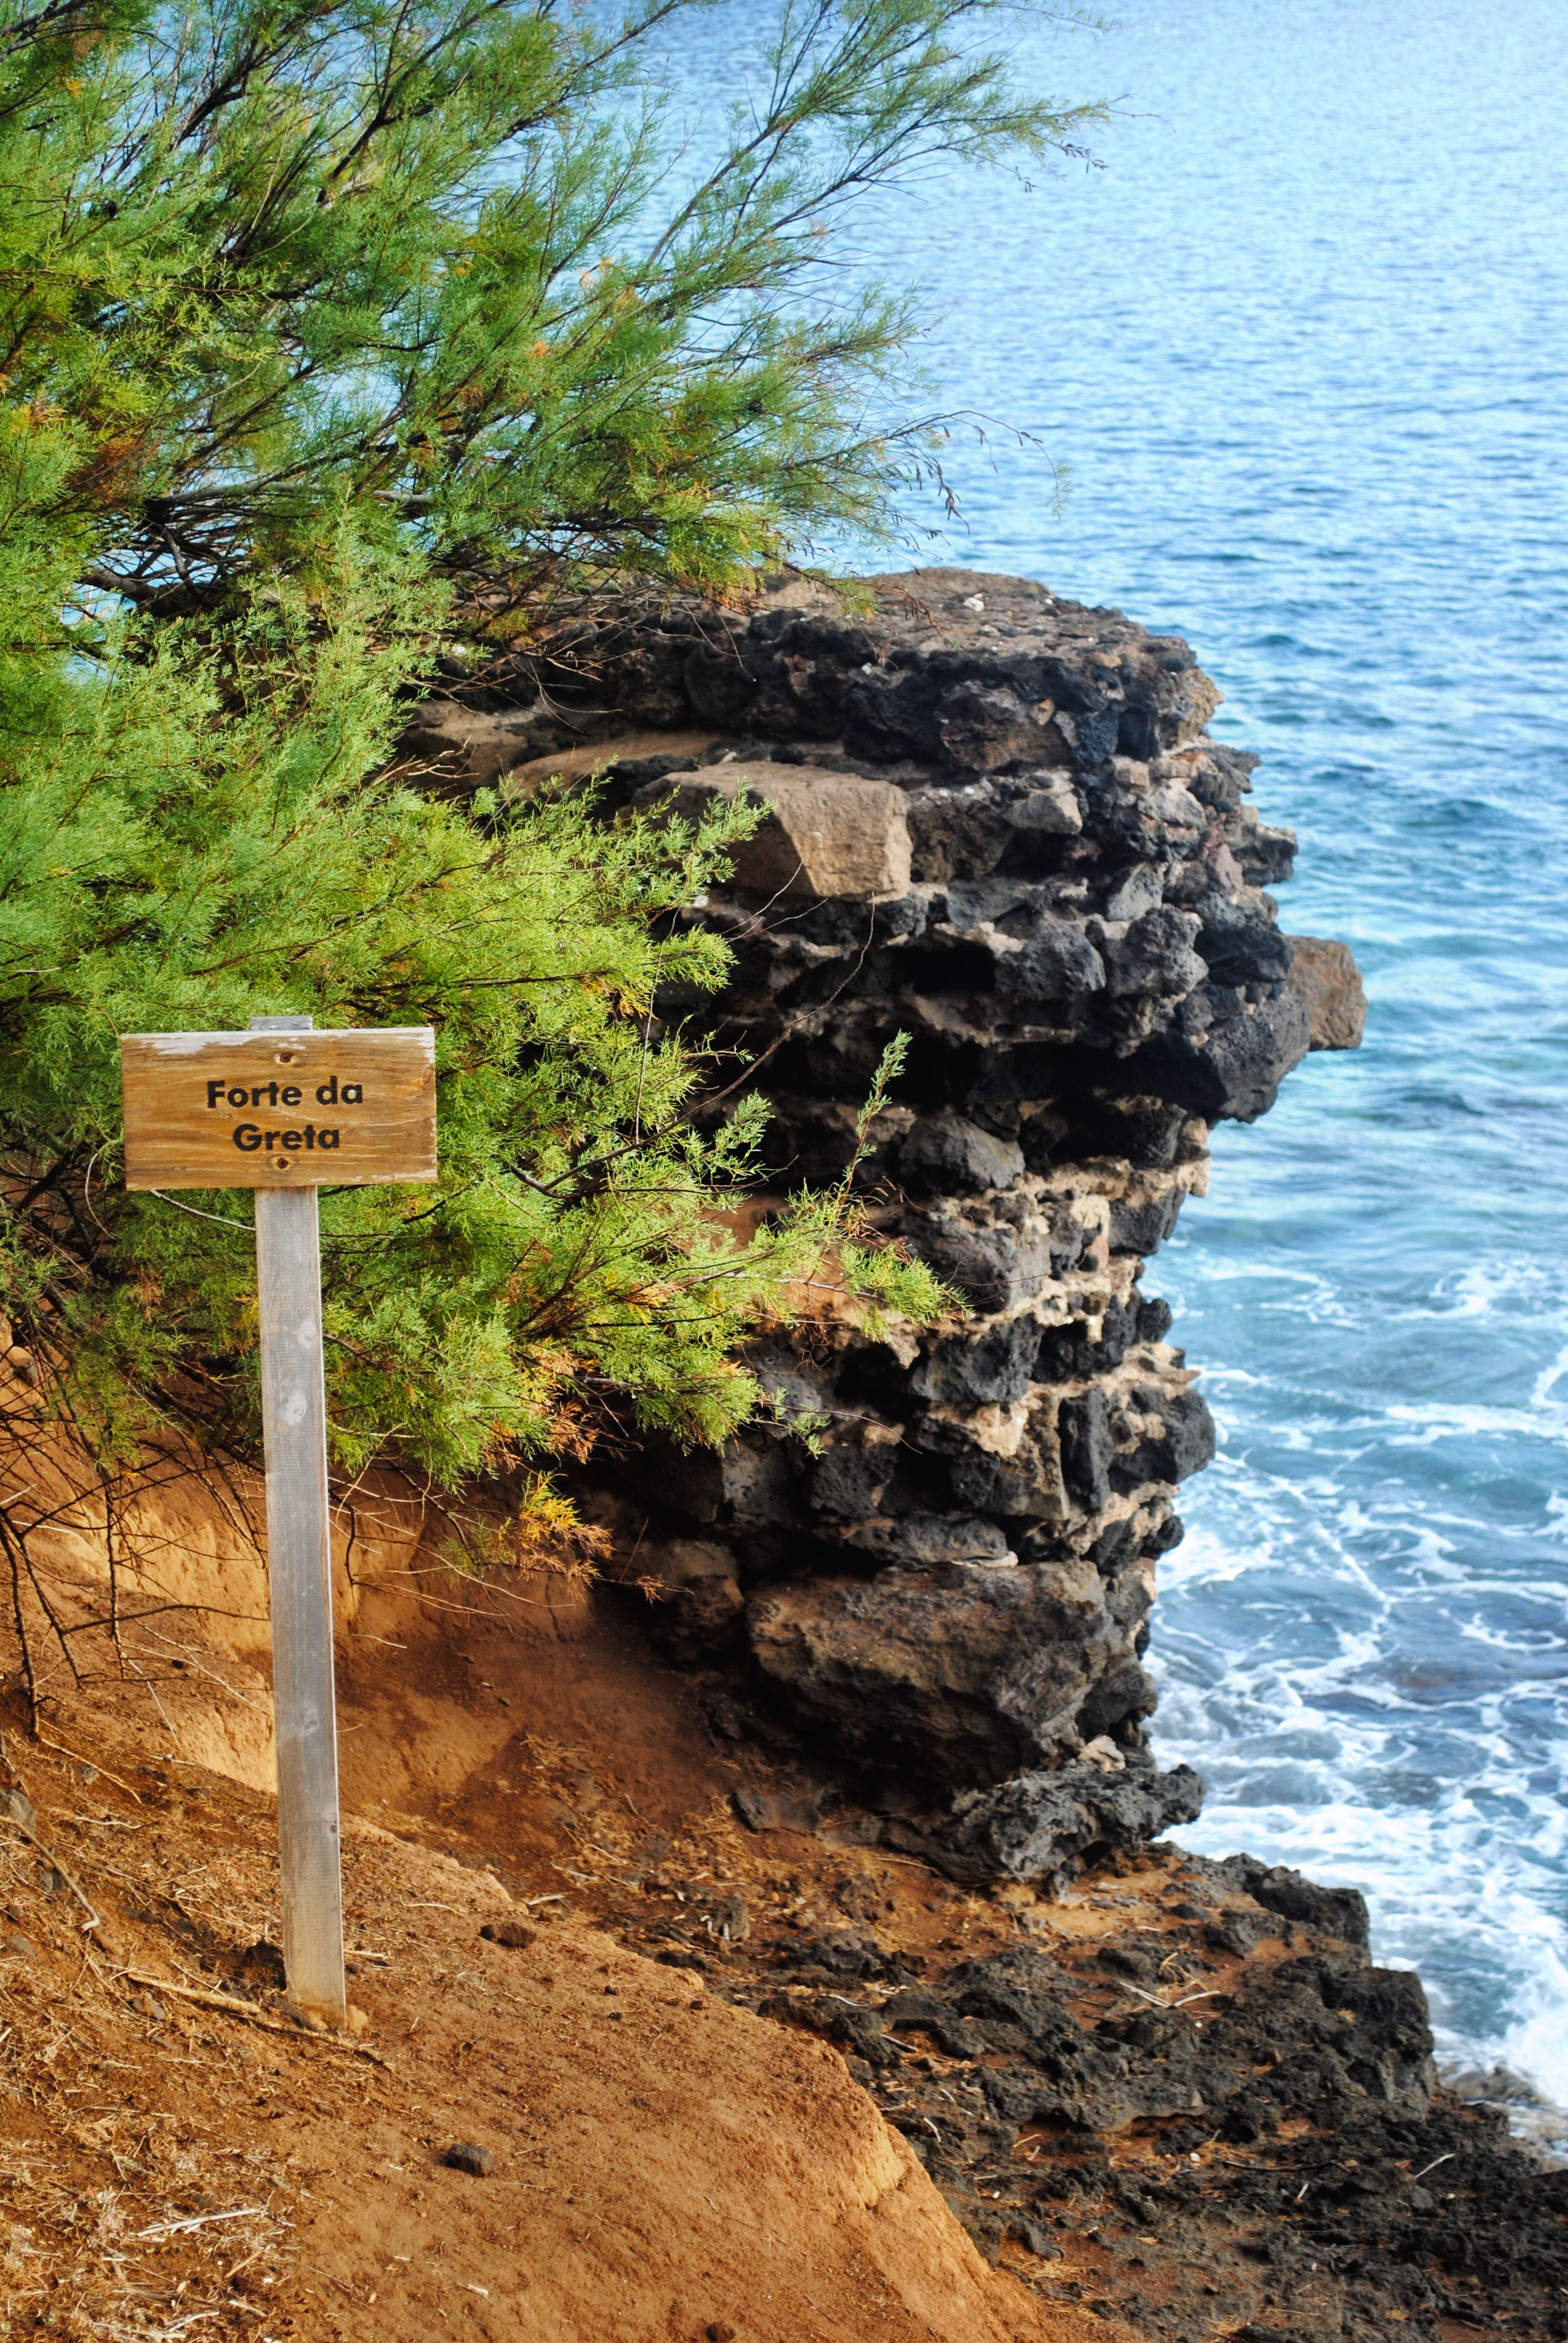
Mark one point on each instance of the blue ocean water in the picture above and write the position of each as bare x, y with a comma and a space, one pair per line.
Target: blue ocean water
1302, 349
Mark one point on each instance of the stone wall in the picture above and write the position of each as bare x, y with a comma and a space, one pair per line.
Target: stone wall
999, 827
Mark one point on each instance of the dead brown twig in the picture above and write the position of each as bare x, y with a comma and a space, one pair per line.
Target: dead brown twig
61, 1751
250, 2017
92, 1923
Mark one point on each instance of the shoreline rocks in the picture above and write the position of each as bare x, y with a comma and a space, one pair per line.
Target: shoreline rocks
1179, 2097
996, 824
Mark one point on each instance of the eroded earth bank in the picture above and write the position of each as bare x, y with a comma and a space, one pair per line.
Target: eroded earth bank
792, 1929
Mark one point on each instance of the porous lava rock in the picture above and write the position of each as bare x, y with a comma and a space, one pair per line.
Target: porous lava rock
997, 825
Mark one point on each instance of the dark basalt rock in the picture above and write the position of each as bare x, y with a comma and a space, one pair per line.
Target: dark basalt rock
999, 827
957, 1673
1042, 1825
945, 1156
1311, 2037
1189, 2095
1339, 1912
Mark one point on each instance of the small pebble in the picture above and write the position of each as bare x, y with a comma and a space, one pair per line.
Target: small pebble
464, 2157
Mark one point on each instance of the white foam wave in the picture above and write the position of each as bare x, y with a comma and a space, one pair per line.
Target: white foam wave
1492, 1288
1345, 1731
1437, 1423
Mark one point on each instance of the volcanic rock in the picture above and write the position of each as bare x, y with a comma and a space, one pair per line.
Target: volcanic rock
997, 826
1040, 1825
1327, 982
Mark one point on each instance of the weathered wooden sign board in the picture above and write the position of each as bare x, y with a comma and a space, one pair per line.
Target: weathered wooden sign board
286, 1110
279, 1109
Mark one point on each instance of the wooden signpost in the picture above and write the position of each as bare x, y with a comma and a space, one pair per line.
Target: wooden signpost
286, 1110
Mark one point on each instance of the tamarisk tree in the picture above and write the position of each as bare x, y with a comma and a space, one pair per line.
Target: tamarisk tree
316, 317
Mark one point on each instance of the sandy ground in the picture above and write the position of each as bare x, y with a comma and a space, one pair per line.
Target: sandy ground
665, 2166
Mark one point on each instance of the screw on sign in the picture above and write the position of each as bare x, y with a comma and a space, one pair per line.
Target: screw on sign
284, 1108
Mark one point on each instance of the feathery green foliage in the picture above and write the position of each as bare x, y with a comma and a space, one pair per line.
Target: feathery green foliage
188, 841
439, 265
312, 315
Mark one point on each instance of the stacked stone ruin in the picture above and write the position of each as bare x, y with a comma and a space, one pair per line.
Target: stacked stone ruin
999, 826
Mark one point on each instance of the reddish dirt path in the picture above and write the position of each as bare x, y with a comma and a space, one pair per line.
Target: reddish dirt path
666, 2168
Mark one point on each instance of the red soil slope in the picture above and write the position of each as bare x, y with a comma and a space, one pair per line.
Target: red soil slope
665, 2166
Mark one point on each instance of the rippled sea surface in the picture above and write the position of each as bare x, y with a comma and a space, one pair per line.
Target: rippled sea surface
1303, 346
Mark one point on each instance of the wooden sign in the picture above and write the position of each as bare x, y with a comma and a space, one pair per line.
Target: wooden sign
279, 1109
285, 1109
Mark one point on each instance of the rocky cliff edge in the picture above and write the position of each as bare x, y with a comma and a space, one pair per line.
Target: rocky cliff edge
998, 825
